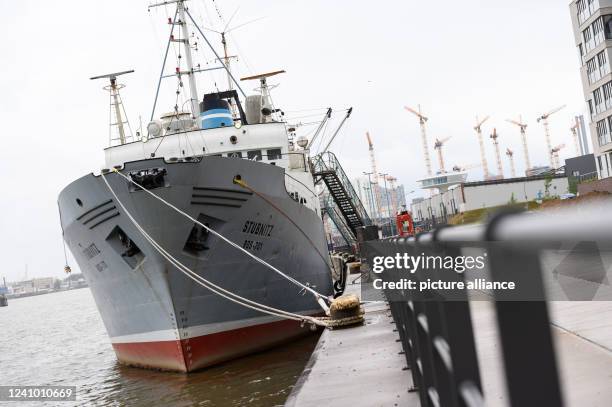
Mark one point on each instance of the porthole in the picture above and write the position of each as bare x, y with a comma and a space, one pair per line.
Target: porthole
233, 139
79, 202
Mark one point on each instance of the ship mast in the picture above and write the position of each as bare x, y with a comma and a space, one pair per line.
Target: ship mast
117, 104
180, 18
195, 105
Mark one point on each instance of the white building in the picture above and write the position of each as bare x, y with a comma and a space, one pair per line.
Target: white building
486, 194
592, 24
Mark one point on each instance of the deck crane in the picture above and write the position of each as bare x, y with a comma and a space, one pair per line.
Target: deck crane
494, 136
438, 146
422, 120
483, 156
554, 153
574, 130
544, 120
463, 168
333, 137
522, 126
375, 183
327, 116
510, 155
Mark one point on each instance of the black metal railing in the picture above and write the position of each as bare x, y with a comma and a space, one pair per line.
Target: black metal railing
437, 335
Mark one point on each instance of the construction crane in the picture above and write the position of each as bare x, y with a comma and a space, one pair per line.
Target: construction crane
422, 120
522, 126
510, 155
375, 183
544, 120
462, 168
500, 170
554, 153
483, 156
438, 146
574, 130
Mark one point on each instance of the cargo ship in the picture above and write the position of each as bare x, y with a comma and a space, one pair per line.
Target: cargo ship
155, 316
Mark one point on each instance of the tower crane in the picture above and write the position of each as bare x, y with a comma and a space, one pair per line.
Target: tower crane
510, 155
422, 120
438, 146
544, 120
483, 157
574, 130
522, 126
494, 137
375, 183
554, 153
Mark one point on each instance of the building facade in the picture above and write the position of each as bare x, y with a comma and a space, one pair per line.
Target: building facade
592, 24
469, 196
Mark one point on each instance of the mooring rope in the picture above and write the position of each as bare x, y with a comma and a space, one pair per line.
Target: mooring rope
201, 280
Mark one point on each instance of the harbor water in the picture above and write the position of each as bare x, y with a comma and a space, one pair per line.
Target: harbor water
59, 339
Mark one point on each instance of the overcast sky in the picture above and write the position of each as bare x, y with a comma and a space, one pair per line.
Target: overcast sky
456, 59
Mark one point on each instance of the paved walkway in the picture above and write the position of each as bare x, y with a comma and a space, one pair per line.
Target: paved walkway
357, 366
361, 366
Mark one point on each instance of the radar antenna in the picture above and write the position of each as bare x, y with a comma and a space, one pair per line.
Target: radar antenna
116, 103
264, 89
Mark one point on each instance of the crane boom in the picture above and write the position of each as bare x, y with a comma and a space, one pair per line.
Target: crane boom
483, 157
494, 137
348, 114
544, 120
510, 155
422, 120
574, 130
375, 183
522, 126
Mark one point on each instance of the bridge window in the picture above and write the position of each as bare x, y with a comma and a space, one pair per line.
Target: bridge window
254, 155
274, 154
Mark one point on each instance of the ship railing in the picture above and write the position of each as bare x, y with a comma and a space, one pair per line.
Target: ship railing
330, 208
437, 334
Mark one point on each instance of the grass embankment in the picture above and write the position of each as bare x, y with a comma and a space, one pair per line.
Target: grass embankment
481, 215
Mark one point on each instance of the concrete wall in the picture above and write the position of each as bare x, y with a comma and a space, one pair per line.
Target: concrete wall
523, 190
486, 194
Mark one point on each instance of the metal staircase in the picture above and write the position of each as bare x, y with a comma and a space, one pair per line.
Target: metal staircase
330, 209
326, 168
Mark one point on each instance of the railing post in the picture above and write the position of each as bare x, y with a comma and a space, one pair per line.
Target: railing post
524, 326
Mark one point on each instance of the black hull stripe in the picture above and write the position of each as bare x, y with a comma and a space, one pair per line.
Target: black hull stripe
104, 220
236, 191
219, 197
99, 214
93, 209
216, 204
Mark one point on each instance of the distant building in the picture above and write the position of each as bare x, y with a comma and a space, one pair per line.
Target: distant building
33, 285
582, 167
486, 194
592, 25
389, 198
